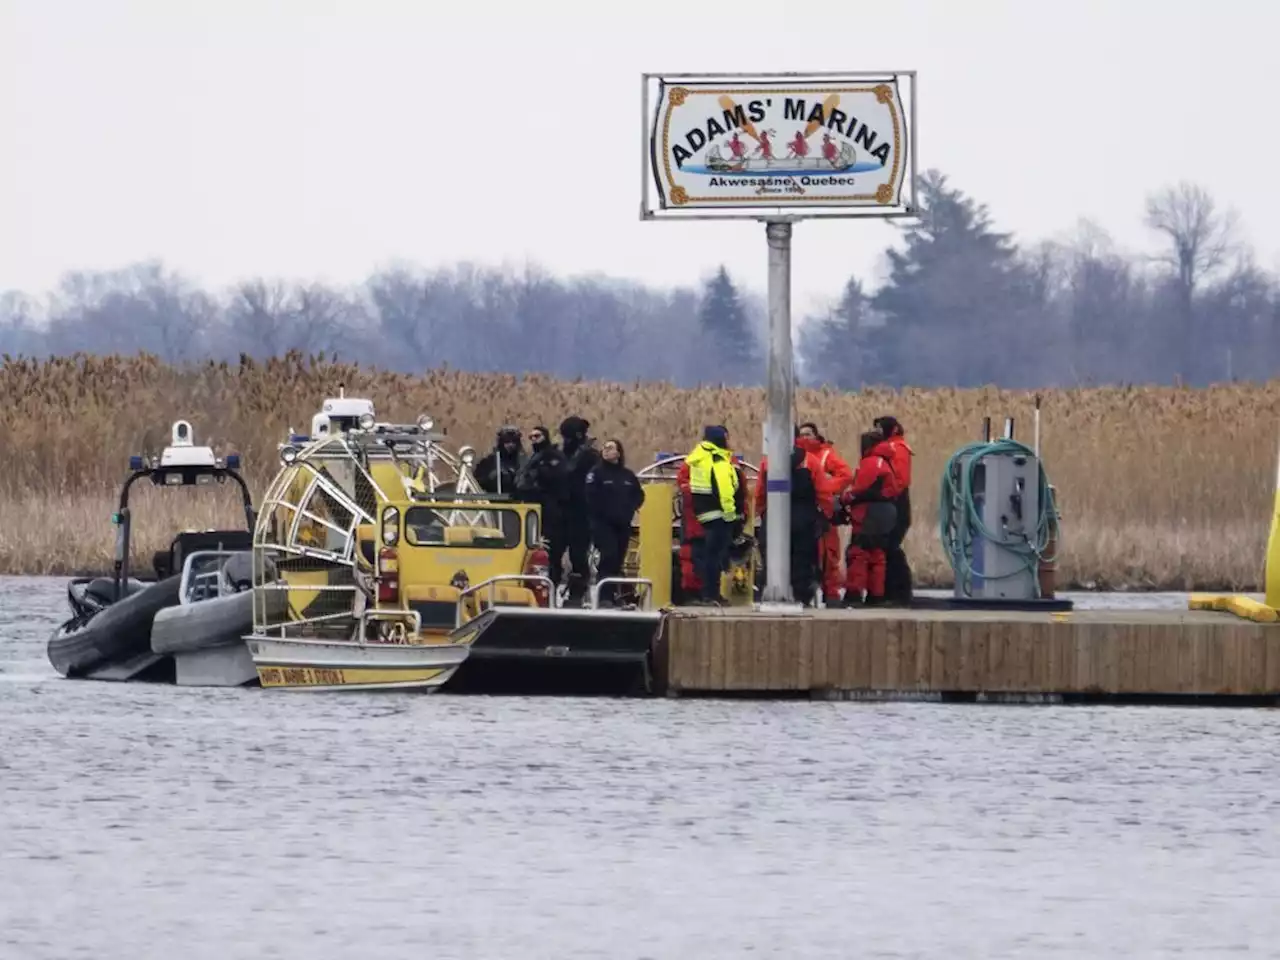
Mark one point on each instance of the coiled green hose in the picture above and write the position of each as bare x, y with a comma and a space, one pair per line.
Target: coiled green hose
960, 521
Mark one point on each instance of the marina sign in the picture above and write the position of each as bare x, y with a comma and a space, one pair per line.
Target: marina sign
746, 143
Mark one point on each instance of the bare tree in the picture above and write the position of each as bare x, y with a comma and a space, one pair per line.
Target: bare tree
259, 316
1201, 241
407, 304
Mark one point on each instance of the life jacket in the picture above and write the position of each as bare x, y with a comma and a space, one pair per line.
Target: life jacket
713, 483
822, 487
875, 478
899, 454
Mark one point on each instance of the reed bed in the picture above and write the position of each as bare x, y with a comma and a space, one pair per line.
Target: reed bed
1160, 487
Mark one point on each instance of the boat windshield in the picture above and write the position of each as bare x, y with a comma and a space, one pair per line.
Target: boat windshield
488, 529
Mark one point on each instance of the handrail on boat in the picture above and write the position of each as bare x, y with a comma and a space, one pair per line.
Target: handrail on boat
645, 581
188, 564
502, 577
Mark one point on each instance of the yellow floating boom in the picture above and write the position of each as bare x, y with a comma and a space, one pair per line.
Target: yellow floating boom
1272, 571
1245, 607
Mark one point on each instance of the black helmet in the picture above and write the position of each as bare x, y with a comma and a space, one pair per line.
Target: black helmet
574, 427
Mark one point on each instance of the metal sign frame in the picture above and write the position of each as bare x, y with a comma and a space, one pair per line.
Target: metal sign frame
778, 220
650, 210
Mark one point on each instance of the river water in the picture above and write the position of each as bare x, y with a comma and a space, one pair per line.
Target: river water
156, 822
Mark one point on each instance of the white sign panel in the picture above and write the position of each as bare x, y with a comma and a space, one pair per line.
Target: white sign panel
794, 144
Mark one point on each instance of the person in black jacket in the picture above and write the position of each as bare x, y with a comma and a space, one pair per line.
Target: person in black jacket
496, 472
580, 457
805, 529
544, 479
613, 496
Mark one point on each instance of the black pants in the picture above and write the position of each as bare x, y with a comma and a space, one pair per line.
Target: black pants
578, 529
714, 557
612, 542
804, 561
897, 572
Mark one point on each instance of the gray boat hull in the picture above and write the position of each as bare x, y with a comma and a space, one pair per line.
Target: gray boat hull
151, 635
206, 639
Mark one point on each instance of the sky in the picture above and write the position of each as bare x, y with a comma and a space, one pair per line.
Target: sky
315, 140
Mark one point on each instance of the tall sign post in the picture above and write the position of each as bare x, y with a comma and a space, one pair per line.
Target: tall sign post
778, 148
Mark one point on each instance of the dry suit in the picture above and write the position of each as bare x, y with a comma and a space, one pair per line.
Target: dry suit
872, 516
810, 509
692, 534
613, 496
806, 526
898, 578
580, 456
833, 476
496, 472
544, 479
713, 486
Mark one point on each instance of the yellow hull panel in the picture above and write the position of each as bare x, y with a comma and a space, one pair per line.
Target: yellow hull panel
338, 678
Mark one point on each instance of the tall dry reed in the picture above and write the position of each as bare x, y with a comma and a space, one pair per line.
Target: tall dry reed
1159, 487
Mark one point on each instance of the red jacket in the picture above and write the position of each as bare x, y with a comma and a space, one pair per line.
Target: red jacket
831, 466
873, 469
821, 485
895, 450
692, 528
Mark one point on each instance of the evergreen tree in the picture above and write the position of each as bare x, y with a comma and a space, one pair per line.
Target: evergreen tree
842, 349
727, 332
958, 302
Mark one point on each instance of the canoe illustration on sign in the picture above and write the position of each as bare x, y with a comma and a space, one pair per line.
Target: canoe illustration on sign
835, 159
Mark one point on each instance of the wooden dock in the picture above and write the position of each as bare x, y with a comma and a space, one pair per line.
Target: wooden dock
950, 654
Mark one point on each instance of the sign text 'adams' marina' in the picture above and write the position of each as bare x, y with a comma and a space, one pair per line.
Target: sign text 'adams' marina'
832, 144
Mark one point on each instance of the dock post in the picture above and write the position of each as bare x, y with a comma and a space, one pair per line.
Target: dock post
779, 429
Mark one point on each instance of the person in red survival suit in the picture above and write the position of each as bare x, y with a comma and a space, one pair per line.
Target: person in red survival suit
691, 532
872, 517
823, 491
836, 476
826, 499
898, 453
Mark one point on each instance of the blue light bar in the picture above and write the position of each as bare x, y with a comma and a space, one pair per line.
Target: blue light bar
233, 461
662, 455
299, 438
135, 463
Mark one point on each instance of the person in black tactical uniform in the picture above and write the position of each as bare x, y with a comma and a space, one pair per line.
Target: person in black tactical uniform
581, 457
496, 472
613, 497
543, 479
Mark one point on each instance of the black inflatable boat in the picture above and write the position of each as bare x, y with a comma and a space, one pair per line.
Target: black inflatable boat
109, 633
110, 639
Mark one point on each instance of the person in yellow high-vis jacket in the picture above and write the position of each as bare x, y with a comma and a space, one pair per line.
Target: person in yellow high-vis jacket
713, 483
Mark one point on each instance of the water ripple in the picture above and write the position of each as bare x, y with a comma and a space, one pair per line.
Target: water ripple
142, 822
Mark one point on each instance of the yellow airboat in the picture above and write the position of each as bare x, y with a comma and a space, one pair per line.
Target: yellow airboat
397, 570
